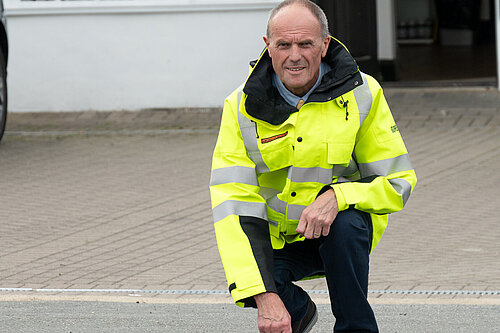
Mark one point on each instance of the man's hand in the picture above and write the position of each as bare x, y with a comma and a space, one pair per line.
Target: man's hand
273, 316
317, 218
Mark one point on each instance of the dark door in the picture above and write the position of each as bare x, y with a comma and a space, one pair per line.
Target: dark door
354, 23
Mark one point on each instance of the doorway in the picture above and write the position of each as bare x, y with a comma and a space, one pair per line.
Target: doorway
450, 42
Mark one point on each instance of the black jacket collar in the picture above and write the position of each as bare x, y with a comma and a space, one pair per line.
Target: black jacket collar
265, 103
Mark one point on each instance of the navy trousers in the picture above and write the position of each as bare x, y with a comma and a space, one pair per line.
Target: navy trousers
343, 257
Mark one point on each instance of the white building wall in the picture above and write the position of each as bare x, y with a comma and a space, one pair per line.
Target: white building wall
386, 30
131, 55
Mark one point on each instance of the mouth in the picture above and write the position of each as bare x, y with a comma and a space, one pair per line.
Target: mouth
295, 69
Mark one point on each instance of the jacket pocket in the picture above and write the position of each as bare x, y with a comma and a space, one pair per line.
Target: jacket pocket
339, 152
278, 158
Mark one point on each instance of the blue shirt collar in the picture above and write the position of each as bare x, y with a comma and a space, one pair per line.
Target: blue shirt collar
289, 97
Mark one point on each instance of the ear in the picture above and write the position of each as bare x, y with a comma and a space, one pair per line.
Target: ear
268, 43
326, 43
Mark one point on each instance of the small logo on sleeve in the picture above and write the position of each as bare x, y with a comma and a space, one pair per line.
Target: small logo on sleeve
275, 137
394, 128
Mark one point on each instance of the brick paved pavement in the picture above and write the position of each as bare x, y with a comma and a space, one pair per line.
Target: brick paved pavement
99, 207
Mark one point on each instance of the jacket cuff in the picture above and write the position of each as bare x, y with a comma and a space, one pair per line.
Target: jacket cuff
324, 189
341, 201
244, 297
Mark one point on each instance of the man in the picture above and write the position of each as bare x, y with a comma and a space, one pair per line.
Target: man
307, 165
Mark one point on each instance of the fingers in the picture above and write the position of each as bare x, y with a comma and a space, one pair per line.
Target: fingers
317, 218
310, 227
273, 316
313, 229
306, 227
326, 229
315, 223
317, 229
301, 227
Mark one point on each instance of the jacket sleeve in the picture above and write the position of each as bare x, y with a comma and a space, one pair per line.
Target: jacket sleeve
240, 213
386, 175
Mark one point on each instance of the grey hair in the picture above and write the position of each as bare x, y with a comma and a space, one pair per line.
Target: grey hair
313, 8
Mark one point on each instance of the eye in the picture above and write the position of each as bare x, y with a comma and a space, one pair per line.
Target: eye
305, 44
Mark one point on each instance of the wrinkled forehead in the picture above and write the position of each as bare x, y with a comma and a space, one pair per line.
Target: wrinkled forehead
293, 20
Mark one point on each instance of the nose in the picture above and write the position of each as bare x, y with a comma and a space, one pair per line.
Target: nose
294, 53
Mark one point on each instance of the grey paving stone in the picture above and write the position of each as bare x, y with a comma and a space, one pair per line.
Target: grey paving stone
101, 208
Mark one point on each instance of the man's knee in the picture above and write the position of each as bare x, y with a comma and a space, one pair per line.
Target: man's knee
349, 242
351, 228
282, 279
351, 222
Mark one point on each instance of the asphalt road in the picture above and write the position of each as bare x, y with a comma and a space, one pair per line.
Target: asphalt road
43, 316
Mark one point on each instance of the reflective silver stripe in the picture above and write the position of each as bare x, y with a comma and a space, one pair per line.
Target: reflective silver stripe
267, 192
364, 99
339, 170
249, 134
294, 212
385, 167
234, 174
342, 180
402, 187
277, 205
351, 169
241, 208
303, 175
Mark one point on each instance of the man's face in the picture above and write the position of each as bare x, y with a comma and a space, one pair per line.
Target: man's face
296, 47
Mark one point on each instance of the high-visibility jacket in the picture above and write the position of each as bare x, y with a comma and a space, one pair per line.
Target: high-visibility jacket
271, 161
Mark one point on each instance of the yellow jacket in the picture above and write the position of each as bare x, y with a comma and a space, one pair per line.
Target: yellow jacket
272, 160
